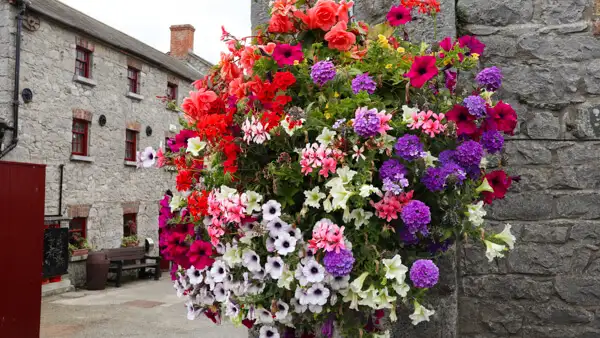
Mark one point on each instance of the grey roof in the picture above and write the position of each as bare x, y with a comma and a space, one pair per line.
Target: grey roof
73, 18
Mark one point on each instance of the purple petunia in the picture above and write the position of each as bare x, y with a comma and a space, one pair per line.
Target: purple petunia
338, 263
490, 78
434, 179
322, 72
366, 122
408, 238
469, 154
492, 141
391, 168
363, 82
409, 147
476, 105
424, 274
416, 216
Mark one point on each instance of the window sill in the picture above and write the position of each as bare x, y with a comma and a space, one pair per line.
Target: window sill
130, 163
134, 96
84, 80
80, 158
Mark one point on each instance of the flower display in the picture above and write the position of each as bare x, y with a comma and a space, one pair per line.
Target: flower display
324, 166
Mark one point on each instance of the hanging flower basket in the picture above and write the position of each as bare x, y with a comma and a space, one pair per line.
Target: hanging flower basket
323, 168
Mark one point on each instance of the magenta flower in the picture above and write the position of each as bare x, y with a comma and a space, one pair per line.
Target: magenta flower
180, 141
471, 42
422, 70
399, 15
285, 54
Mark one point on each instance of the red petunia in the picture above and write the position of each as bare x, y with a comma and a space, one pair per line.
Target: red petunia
184, 180
422, 70
500, 182
471, 42
502, 117
465, 122
199, 254
248, 323
398, 15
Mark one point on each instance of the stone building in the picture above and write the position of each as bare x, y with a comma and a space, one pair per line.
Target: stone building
87, 101
549, 285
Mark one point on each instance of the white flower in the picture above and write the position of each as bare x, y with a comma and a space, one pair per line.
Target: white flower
276, 226
148, 157
172, 128
263, 316
407, 114
226, 192
282, 310
271, 209
493, 250
315, 308
345, 174
506, 236
384, 300
193, 311
256, 288
360, 217
401, 289
301, 295
177, 285
484, 163
338, 282
295, 233
421, 314
274, 267
286, 279
252, 200
313, 197
484, 186
232, 310
358, 153
350, 297
333, 299
270, 244
205, 297
195, 146
259, 275
232, 255
367, 190
268, 332
251, 260
176, 203
194, 275
369, 297
220, 293
340, 197
299, 275
388, 143
326, 136
218, 271
317, 294
386, 334
327, 205
221, 248
357, 284
298, 308
209, 281
313, 271
394, 269
284, 244
429, 159
476, 213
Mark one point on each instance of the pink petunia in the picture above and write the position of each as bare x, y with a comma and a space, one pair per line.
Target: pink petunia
398, 15
286, 54
422, 70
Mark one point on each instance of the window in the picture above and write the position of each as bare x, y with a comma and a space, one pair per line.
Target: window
129, 225
82, 62
133, 76
77, 230
130, 145
172, 91
79, 145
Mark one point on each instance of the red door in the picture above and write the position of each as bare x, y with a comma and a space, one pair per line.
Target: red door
22, 189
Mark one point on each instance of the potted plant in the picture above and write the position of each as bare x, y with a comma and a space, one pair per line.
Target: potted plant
78, 246
130, 241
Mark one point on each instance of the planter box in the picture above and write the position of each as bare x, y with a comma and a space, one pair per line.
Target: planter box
80, 252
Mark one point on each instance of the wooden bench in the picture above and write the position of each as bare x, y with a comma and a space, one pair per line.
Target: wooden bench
132, 258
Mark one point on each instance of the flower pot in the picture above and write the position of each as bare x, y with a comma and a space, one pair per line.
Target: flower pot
80, 252
45, 281
55, 279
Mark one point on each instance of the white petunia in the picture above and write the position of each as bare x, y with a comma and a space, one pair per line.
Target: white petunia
300, 275
339, 282
350, 297
493, 250
220, 293
286, 279
313, 197
251, 260
209, 281
407, 114
369, 297
282, 310
394, 269
345, 174
276, 225
285, 244
357, 284
252, 200
326, 137
259, 275
367, 190
221, 248
388, 143
360, 217
256, 288
327, 205
148, 157
298, 308
313, 271
232, 310
205, 297
429, 159
476, 213
317, 294
340, 197
195, 146
401, 289
270, 244
274, 267
384, 300
315, 308
506, 236
421, 314
271, 210
226, 192
232, 255
193, 311
194, 275
218, 271
385, 334
301, 295
176, 203
263, 316
295, 233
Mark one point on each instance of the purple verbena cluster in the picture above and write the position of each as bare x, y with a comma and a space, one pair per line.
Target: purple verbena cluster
469, 154
476, 105
492, 141
339, 263
424, 274
409, 147
490, 78
366, 122
322, 72
363, 82
416, 216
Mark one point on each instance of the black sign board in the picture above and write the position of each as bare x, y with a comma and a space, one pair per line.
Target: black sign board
56, 252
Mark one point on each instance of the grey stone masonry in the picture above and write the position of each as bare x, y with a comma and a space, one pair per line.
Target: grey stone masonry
101, 183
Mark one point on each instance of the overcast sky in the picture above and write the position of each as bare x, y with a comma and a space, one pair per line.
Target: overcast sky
149, 20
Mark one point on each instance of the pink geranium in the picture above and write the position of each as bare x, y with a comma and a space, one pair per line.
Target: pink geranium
391, 205
429, 122
286, 54
327, 236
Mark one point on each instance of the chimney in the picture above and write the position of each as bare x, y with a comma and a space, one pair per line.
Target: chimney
182, 41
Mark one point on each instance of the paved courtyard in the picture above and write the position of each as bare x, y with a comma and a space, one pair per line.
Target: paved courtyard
137, 309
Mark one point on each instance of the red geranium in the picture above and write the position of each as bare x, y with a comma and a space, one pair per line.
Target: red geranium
184, 180
500, 182
199, 254
198, 204
465, 122
422, 70
283, 80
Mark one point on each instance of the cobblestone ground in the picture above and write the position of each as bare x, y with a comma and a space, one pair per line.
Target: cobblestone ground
137, 309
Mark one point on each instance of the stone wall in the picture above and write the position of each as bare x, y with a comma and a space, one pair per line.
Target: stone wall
106, 184
549, 286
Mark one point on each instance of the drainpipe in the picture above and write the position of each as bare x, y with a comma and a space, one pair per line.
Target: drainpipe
15, 105
60, 192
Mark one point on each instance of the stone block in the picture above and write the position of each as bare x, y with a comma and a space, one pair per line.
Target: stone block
584, 176
554, 12
495, 12
592, 80
580, 290
508, 287
543, 125
578, 153
527, 152
547, 331
473, 261
541, 259
498, 45
533, 178
586, 232
583, 206
544, 233
531, 206
559, 313
552, 47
